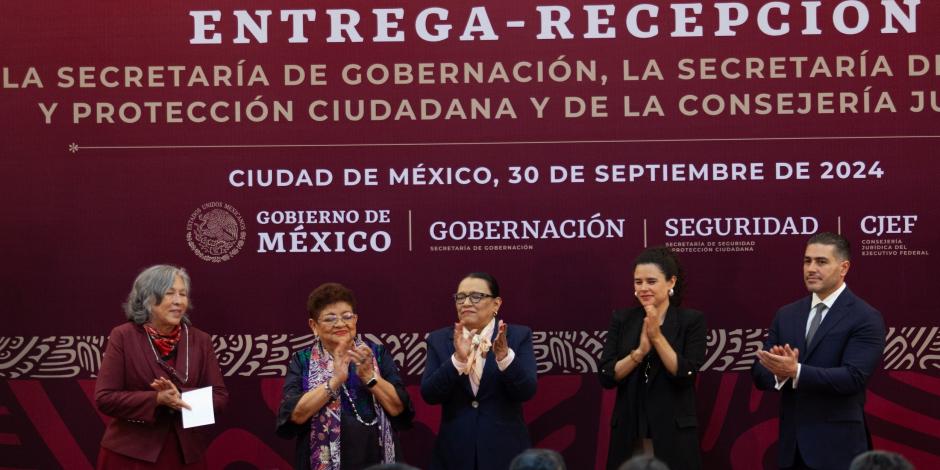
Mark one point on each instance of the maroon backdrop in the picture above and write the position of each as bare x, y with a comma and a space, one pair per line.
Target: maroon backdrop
732, 149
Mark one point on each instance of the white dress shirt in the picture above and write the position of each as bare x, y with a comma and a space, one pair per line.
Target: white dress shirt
828, 301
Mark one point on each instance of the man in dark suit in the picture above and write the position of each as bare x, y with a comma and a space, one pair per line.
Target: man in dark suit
819, 354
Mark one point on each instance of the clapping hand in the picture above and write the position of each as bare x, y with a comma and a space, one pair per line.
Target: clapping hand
341, 358
362, 356
780, 360
501, 346
462, 345
645, 344
168, 395
651, 324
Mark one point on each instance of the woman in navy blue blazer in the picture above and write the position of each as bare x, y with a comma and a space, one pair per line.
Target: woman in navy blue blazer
480, 371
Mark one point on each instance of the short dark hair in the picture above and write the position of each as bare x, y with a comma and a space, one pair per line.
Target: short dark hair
880, 460
668, 263
488, 279
841, 245
327, 294
644, 462
538, 459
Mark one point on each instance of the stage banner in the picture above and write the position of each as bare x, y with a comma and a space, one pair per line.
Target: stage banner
268, 147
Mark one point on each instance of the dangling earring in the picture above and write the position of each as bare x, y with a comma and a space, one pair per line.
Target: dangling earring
671, 292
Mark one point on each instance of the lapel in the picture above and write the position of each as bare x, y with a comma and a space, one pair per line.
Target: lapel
142, 345
449, 347
838, 311
670, 330
184, 357
670, 327
799, 326
630, 331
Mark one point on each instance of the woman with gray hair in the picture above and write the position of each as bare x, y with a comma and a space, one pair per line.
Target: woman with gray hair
149, 361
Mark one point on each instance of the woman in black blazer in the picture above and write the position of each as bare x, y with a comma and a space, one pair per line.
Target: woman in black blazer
651, 355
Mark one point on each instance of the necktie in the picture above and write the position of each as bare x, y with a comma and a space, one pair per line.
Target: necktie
814, 325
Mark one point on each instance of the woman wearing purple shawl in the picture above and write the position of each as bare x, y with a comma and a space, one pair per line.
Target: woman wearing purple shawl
343, 399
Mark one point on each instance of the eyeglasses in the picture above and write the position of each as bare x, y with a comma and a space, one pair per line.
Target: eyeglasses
475, 297
347, 317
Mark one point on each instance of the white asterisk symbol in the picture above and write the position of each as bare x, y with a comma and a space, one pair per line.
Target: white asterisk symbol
73, 147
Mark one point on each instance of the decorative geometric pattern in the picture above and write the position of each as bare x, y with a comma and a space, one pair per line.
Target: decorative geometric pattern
732, 350
913, 348
556, 352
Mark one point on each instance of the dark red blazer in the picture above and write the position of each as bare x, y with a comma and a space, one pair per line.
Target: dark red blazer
123, 392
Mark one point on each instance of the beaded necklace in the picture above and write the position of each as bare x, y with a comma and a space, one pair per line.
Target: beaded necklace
353, 403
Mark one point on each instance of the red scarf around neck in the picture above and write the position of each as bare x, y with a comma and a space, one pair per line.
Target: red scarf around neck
165, 344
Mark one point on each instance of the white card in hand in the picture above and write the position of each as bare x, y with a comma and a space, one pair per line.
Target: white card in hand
202, 412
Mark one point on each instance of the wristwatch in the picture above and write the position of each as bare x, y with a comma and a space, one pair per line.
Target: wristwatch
371, 383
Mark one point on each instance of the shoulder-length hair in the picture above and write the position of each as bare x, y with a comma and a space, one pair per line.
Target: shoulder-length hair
148, 291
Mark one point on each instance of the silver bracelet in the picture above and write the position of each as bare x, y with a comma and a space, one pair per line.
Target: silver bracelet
333, 395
